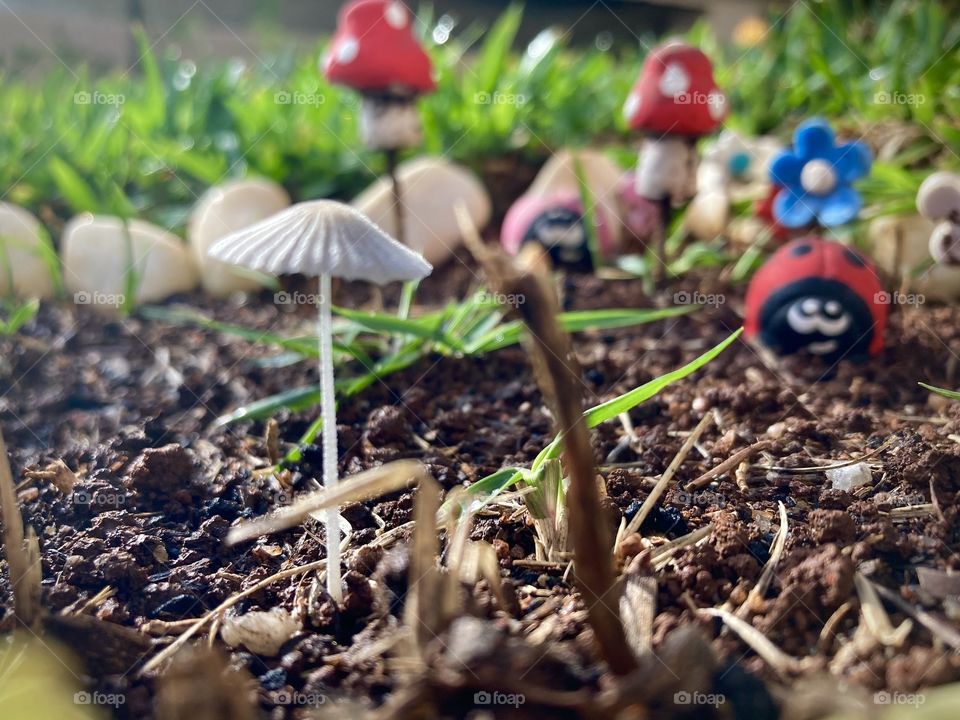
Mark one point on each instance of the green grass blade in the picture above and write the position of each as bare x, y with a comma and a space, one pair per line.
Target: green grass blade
952, 394
509, 333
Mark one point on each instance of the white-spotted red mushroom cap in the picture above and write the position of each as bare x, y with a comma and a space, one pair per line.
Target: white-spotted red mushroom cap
676, 94
321, 237
939, 196
374, 50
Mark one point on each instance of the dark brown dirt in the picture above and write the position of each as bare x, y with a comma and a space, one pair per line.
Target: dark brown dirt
128, 406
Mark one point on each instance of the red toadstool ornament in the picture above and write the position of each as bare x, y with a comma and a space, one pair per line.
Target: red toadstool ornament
820, 296
674, 101
375, 52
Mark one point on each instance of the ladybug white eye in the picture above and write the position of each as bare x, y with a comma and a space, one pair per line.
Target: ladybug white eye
833, 308
810, 306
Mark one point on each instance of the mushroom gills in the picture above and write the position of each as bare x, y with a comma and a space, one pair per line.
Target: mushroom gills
388, 122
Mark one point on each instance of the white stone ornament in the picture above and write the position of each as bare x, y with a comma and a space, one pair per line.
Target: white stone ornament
225, 209
99, 252
602, 176
24, 272
432, 189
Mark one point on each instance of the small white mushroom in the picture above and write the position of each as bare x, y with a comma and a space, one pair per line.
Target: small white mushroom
24, 259
222, 210
324, 238
99, 253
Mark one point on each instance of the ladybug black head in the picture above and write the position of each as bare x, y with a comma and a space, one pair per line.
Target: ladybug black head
821, 316
560, 230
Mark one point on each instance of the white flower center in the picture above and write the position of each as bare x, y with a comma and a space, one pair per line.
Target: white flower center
818, 177
396, 15
347, 50
674, 81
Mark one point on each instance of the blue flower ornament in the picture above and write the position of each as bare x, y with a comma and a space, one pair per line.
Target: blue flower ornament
816, 177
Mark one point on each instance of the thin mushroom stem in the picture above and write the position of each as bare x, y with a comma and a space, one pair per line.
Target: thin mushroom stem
328, 410
398, 209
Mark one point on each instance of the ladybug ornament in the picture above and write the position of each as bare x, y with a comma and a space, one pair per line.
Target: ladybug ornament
817, 296
556, 222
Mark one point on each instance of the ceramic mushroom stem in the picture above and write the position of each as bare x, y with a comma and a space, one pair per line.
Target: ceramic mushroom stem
674, 102
327, 239
375, 52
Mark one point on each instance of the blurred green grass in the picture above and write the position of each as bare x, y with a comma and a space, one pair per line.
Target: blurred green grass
68, 144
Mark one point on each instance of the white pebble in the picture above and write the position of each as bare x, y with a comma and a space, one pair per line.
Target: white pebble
849, 477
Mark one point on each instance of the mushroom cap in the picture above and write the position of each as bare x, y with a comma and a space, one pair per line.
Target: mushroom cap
321, 237
374, 50
676, 93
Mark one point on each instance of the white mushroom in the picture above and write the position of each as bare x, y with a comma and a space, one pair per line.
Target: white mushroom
324, 238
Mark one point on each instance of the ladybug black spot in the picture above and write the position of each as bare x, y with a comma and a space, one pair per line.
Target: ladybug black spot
801, 250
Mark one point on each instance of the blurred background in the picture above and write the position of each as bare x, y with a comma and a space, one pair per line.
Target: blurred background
97, 31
